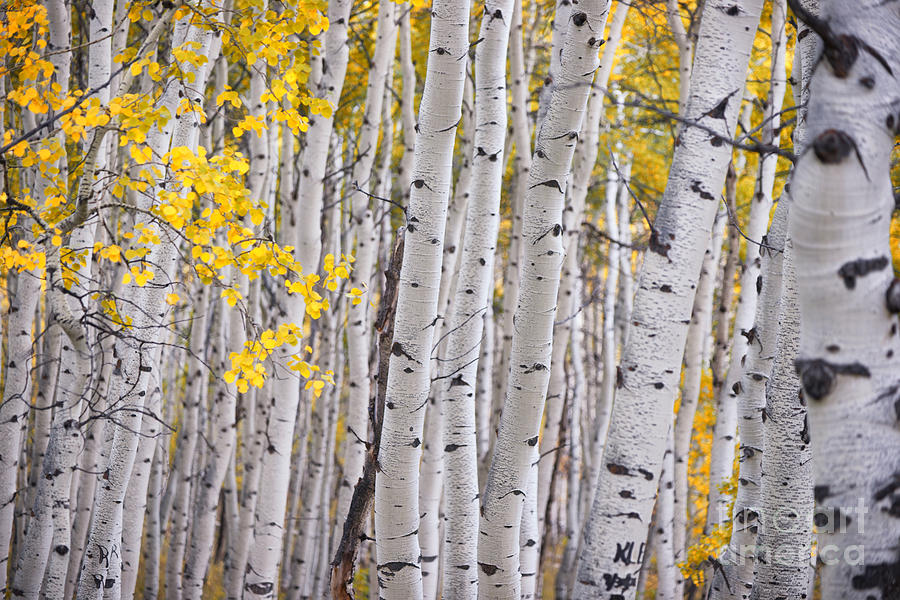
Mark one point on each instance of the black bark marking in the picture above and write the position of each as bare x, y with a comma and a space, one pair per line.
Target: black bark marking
458, 381
549, 183
260, 589
892, 296
860, 268
718, 111
818, 375
453, 447
647, 474
655, 245
488, 568
884, 576
833, 146
887, 490
697, 188
397, 350
617, 469
395, 566
579, 19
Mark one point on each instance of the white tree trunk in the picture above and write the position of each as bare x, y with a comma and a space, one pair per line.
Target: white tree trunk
359, 316
472, 296
665, 511
840, 222
396, 493
761, 205
516, 449
786, 508
582, 169
617, 527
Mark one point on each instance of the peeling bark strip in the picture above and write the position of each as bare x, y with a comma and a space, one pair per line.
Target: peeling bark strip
843, 200
656, 344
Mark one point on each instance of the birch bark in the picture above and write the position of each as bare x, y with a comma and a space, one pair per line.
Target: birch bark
473, 293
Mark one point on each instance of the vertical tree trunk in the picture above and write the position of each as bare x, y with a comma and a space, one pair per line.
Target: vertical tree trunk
396, 483
847, 361
516, 450
472, 296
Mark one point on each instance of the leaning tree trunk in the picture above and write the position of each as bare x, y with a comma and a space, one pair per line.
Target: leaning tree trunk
617, 527
409, 379
515, 452
849, 343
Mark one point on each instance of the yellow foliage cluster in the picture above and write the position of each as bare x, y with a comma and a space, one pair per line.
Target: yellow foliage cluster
196, 196
710, 544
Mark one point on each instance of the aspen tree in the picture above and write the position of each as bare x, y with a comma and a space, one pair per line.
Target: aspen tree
616, 529
396, 501
840, 221
582, 168
515, 452
359, 316
473, 292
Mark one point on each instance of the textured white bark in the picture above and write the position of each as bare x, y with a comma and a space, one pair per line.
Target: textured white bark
566, 573
722, 461
407, 102
665, 511
101, 570
625, 293
431, 480
723, 443
617, 527
212, 470
138, 484
840, 221
583, 166
24, 294
472, 296
150, 564
303, 230
786, 508
302, 226
483, 395
604, 401
699, 329
683, 41
521, 136
49, 526
183, 471
515, 452
739, 561
396, 493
